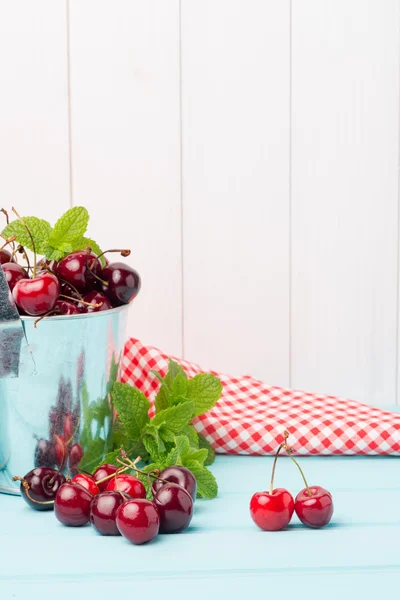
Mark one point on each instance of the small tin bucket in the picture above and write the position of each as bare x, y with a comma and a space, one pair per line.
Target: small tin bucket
62, 416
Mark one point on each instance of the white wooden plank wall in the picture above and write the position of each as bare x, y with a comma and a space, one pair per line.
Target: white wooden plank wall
247, 152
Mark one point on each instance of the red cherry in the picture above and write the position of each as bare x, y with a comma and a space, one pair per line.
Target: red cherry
315, 510
72, 504
138, 521
13, 273
5, 256
37, 296
128, 484
87, 482
75, 269
103, 512
175, 507
68, 427
66, 308
104, 471
180, 475
61, 451
75, 455
123, 283
94, 297
272, 511
44, 454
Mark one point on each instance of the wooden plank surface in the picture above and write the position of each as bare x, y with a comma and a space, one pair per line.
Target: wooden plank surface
125, 147
235, 153
34, 165
222, 551
345, 107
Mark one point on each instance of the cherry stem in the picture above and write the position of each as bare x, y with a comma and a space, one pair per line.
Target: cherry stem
300, 469
32, 240
3, 210
51, 312
112, 475
72, 287
81, 301
8, 241
271, 487
88, 252
123, 252
132, 466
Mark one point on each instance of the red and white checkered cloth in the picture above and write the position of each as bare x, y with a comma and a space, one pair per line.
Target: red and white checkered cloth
250, 417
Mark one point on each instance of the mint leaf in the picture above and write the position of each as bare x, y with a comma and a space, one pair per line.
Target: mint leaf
204, 443
175, 417
198, 455
121, 438
204, 390
192, 436
153, 443
82, 243
39, 228
110, 458
174, 369
166, 434
161, 401
70, 227
207, 486
179, 390
52, 253
132, 407
178, 454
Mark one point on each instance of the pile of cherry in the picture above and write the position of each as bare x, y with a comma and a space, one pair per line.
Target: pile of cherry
114, 502
78, 283
273, 510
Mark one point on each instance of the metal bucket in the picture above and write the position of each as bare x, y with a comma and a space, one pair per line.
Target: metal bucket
63, 410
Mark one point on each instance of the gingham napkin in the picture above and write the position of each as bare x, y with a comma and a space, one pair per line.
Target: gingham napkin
250, 417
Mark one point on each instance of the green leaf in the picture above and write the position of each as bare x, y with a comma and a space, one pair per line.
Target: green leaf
82, 243
132, 407
178, 454
161, 401
153, 443
110, 458
93, 454
174, 369
198, 455
207, 486
52, 253
166, 434
39, 228
121, 438
179, 390
204, 390
70, 227
175, 417
204, 443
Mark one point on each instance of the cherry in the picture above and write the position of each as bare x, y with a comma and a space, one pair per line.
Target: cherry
122, 283
87, 482
72, 504
67, 290
175, 507
314, 510
272, 511
138, 521
66, 308
128, 484
44, 454
40, 486
104, 471
37, 296
13, 273
61, 451
180, 475
94, 297
68, 427
76, 269
103, 511
5, 256
75, 455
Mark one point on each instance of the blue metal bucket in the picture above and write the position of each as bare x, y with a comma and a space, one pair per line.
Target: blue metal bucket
63, 410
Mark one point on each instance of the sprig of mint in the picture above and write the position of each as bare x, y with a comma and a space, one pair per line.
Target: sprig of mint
168, 438
67, 235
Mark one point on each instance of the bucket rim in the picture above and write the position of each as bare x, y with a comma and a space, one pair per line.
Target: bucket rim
99, 314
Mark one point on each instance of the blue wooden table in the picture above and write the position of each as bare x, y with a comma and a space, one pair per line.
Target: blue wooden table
223, 554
